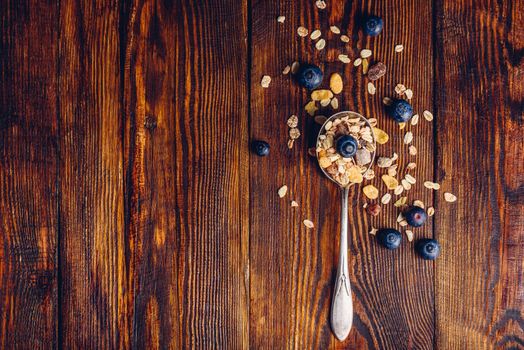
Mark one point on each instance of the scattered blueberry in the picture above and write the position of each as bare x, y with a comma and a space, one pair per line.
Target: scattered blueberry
416, 216
373, 25
309, 76
261, 148
400, 110
347, 146
389, 238
428, 249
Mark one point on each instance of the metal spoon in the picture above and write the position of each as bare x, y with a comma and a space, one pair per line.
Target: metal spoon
342, 304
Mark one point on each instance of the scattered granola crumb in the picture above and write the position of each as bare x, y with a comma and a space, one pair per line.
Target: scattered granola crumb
281, 19
399, 48
282, 191
449, 197
266, 79
294, 204
308, 223
334, 29
302, 31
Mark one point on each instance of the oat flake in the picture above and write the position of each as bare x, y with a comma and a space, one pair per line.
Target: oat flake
431, 211
315, 34
281, 19
418, 203
387, 101
371, 88
334, 29
320, 44
334, 103
365, 53
294, 204
302, 31
344, 38
282, 191
449, 197
400, 89
412, 150
409, 94
408, 138
266, 79
294, 67
292, 121
409, 233
357, 62
343, 58
386, 198
428, 115
320, 4
399, 48
414, 119
308, 223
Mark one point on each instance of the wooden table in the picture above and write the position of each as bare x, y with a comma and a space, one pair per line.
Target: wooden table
132, 214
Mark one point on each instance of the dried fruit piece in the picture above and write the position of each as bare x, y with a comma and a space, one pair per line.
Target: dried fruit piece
381, 137
324, 162
399, 48
315, 34
376, 71
311, 108
320, 44
370, 191
334, 29
449, 197
344, 58
335, 83
308, 223
282, 191
319, 95
390, 182
365, 65
354, 175
294, 204
292, 121
365, 53
302, 31
344, 38
428, 115
266, 79
373, 209
401, 202
386, 198
371, 88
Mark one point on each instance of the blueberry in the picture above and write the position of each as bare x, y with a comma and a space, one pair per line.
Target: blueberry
389, 238
373, 25
400, 110
309, 76
261, 148
428, 249
416, 216
347, 146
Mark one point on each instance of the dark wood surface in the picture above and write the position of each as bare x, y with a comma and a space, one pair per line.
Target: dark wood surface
132, 214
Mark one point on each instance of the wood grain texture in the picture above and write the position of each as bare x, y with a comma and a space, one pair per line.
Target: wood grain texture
28, 175
293, 269
479, 70
186, 184
92, 262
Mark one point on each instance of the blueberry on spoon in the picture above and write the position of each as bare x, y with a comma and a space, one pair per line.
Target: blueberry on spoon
261, 148
416, 216
373, 25
347, 146
428, 249
309, 76
389, 238
400, 110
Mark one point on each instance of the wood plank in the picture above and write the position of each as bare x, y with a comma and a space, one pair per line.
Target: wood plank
293, 269
92, 246
479, 292
28, 175
186, 152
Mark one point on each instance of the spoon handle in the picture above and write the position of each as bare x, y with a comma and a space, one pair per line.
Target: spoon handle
342, 305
